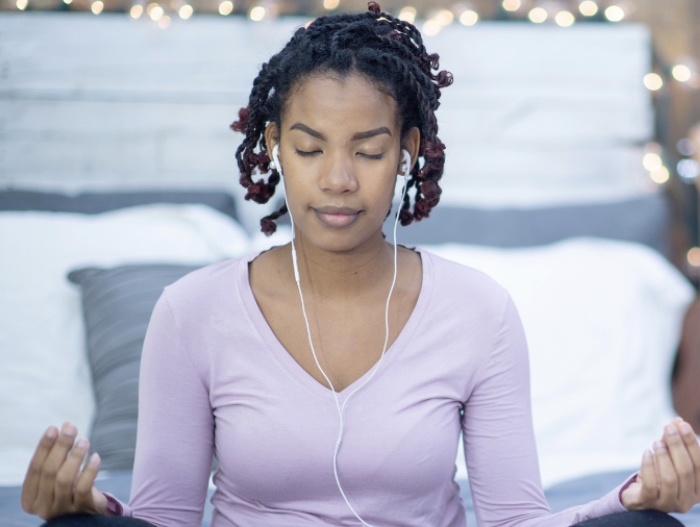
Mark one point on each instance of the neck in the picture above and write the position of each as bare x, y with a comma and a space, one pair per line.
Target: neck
343, 275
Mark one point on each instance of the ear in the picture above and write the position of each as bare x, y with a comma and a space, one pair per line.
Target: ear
271, 135
411, 143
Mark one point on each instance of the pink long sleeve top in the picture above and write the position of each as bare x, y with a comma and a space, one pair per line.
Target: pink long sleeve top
215, 381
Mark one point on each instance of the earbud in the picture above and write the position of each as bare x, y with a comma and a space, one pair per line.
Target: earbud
275, 162
405, 163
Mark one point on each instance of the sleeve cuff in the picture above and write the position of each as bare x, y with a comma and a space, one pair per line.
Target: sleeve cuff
116, 507
626, 484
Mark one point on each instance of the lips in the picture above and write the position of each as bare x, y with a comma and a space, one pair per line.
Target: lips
337, 217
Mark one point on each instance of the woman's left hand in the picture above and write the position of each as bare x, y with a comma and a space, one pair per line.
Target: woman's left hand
669, 479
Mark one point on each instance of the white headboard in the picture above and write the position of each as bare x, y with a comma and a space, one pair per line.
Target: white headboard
535, 115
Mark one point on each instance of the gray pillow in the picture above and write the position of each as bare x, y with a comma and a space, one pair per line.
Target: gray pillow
97, 202
643, 220
117, 306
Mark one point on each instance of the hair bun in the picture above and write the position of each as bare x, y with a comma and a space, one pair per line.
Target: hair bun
374, 7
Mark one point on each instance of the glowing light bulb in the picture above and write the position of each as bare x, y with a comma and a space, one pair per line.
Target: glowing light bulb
653, 81
22, 4
681, 73
614, 13
331, 4
537, 15
652, 161
67, 2
694, 256
257, 13
136, 11
444, 17
511, 5
564, 18
408, 14
660, 175
685, 147
431, 28
469, 17
588, 8
226, 7
156, 13
97, 7
688, 169
185, 11
164, 22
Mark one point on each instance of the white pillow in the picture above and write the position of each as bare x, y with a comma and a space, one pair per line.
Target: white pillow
44, 374
603, 321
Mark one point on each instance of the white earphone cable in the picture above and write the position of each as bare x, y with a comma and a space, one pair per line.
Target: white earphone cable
341, 409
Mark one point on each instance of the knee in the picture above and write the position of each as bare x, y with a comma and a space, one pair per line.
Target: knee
646, 518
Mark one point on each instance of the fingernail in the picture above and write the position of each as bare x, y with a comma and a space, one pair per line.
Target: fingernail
51, 432
670, 429
82, 443
659, 445
94, 459
647, 454
70, 431
686, 429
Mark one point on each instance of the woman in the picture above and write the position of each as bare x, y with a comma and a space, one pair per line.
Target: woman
331, 377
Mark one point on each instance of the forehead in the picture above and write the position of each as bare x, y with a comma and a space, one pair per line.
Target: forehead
334, 103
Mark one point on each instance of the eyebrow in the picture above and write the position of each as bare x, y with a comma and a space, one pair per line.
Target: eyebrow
355, 137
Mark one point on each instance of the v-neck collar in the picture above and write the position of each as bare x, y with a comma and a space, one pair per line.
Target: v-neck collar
293, 367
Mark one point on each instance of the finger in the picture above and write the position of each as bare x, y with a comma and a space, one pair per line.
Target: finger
691, 443
650, 483
52, 464
683, 465
669, 479
30, 487
82, 497
67, 474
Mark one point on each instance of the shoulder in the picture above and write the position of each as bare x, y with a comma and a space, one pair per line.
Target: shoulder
455, 281
208, 287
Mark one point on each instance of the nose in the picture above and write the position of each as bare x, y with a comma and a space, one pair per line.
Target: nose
338, 174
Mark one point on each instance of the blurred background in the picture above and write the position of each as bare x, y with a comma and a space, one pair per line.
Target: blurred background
554, 102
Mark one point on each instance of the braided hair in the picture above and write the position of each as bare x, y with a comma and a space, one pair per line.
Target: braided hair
384, 49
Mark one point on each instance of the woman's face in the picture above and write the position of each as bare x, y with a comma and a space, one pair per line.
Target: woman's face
339, 148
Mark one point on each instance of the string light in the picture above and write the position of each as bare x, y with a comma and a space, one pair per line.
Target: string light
614, 13
688, 169
164, 22
22, 4
331, 4
97, 7
694, 256
444, 17
136, 11
537, 15
469, 17
67, 2
431, 27
564, 18
653, 81
511, 5
681, 73
257, 13
226, 7
660, 175
408, 14
588, 8
185, 11
685, 147
156, 13
652, 161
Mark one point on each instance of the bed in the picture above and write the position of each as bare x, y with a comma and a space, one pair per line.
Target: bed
102, 298
106, 198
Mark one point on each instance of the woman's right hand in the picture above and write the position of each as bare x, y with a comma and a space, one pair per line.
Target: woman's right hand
54, 484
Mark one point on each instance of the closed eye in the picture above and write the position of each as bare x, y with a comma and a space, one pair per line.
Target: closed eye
371, 156
306, 154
